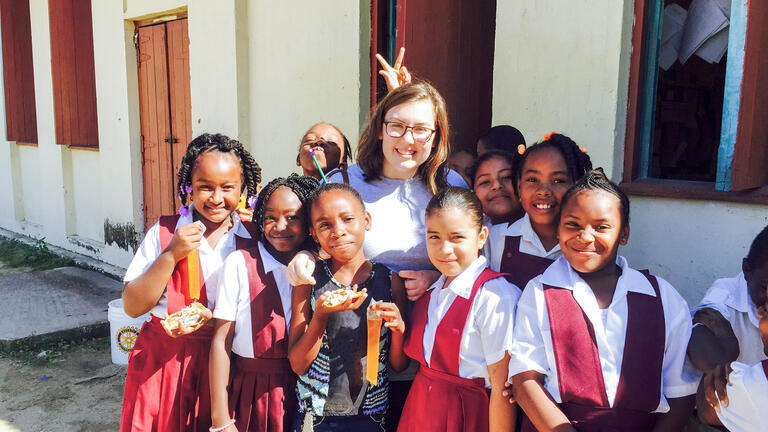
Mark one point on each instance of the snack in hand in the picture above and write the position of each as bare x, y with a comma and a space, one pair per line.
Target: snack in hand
186, 320
339, 296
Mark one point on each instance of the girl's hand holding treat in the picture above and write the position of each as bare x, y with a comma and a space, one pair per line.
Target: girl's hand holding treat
336, 301
186, 239
390, 313
187, 320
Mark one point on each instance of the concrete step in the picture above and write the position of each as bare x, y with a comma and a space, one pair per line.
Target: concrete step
67, 303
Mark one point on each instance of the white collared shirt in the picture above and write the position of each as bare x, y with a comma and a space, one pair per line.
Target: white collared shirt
529, 242
747, 398
234, 300
488, 332
211, 259
533, 342
730, 297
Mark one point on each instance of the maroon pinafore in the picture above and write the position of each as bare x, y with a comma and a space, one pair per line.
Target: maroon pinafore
166, 384
580, 377
520, 266
439, 399
262, 389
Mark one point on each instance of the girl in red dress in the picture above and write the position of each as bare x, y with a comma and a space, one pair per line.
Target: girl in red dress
166, 385
253, 309
461, 329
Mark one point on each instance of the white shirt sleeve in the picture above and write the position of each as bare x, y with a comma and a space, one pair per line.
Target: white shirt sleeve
495, 324
146, 254
715, 299
747, 396
230, 287
678, 376
529, 350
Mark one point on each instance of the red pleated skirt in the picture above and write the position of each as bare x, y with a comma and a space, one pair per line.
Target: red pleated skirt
166, 385
262, 394
446, 403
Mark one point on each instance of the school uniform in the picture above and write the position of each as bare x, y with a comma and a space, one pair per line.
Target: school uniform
608, 369
730, 297
748, 397
516, 249
455, 333
166, 384
256, 295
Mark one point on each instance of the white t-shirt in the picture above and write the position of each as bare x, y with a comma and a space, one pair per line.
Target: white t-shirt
747, 398
234, 300
529, 242
488, 332
533, 341
397, 237
730, 297
211, 259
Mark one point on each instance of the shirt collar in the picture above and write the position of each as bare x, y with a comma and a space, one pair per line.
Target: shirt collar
268, 261
462, 284
524, 229
560, 274
739, 298
238, 228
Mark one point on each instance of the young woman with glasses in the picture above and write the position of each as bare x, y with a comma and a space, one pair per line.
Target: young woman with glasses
401, 164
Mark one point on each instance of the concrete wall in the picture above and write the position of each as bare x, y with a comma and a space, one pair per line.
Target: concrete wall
563, 65
260, 71
308, 63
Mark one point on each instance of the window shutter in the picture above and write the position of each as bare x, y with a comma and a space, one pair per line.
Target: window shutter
74, 82
18, 74
750, 157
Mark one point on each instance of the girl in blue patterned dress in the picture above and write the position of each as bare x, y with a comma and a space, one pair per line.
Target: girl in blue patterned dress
328, 343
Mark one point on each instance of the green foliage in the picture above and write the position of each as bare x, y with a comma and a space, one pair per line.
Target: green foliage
16, 254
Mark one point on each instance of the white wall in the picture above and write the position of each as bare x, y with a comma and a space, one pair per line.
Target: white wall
308, 64
559, 65
260, 71
563, 65
692, 243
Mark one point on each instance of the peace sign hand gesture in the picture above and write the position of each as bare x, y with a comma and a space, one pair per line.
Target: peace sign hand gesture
395, 75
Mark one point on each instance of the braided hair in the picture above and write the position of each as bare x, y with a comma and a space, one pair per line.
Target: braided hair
302, 186
576, 159
597, 181
251, 171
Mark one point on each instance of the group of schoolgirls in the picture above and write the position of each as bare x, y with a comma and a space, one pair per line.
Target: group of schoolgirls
586, 342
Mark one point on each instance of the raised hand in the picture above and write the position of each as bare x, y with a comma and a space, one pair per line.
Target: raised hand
351, 303
390, 313
185, 239
395, 75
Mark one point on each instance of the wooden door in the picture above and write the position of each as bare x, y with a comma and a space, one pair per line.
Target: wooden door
449, 43
164, 100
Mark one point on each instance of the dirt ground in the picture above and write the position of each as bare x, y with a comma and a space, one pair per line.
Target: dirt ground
69, 388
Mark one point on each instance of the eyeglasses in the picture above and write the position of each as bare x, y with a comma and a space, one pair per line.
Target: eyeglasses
419, 133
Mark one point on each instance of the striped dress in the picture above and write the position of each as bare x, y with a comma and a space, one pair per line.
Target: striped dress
334, 384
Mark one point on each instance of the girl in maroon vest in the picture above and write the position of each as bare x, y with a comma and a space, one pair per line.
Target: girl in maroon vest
543, 173
461, 329
253, 309
166, 385
600, 346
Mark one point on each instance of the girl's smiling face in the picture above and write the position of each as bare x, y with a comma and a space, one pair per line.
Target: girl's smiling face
453, 240
404, 155
217, 182
285, 227
339, 224
591, 230
493, 186
544, 179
